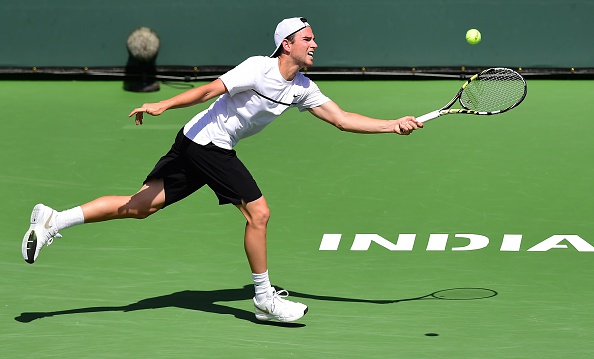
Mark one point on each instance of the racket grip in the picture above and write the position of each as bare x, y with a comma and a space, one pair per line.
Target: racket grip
429, 116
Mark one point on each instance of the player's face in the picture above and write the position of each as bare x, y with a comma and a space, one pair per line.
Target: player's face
304, 46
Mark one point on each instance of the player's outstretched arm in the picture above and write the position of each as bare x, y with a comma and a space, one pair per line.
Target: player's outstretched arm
188, 98
354, 122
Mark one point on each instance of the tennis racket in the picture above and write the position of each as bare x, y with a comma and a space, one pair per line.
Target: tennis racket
490, 92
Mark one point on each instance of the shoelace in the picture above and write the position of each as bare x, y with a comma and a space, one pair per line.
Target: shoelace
281, 293
278, 297
52, 233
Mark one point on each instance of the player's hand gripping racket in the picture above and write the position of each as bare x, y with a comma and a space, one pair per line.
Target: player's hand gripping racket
493, 91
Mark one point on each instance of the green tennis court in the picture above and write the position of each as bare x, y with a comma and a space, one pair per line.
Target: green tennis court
177, 285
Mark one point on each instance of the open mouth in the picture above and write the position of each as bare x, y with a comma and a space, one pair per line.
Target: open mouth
310, 54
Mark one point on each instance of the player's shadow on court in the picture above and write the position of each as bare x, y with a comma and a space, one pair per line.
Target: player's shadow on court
208, 301
205, 301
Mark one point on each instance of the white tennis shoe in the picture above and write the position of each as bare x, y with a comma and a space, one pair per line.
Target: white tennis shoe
41, 233
278, 308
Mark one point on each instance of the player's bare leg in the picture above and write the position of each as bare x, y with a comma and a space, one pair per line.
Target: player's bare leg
268, 303
148, 200
46, 222
257, 215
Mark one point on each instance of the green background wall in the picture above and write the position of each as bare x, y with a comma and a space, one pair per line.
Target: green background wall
521, 33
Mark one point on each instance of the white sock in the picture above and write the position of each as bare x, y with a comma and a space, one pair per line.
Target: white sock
262, 285
69, 218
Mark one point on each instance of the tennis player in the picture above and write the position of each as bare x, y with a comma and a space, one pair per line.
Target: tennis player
250, 96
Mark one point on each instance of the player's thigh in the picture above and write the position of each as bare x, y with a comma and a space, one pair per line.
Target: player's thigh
151, 195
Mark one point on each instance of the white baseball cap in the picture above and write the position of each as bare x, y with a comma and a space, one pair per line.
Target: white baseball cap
286, 28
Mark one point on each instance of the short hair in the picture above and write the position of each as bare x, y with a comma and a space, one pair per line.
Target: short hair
290, 38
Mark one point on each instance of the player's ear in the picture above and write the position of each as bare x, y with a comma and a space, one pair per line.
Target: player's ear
286, 45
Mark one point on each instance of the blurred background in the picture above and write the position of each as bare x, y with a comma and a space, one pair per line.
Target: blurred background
373, 37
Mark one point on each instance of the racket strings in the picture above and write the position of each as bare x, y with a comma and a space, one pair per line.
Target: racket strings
494, 90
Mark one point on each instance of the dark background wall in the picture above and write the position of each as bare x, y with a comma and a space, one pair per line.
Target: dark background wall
394, 33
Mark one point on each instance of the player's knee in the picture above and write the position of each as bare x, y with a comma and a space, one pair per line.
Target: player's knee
265, 215
145, 213
136, 210
259, 216
141, 206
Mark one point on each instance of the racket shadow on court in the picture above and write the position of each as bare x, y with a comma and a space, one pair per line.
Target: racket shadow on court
208, 301
459, 294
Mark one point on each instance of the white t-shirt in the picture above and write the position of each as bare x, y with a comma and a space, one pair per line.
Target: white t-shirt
257, 94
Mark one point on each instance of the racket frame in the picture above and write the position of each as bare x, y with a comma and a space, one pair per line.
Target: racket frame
446, 110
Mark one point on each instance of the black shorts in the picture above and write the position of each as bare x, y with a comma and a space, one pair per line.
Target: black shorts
189, 166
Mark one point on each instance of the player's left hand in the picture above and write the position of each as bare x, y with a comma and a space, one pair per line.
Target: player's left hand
154, 109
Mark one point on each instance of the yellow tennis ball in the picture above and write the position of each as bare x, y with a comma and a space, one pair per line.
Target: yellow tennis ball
473, 36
